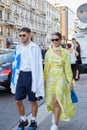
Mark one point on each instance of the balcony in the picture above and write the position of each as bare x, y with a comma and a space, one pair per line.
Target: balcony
9, 23
34, 29
42, 12
16, 13
18, 26
8, 9
17, 1
2, 4
32, 7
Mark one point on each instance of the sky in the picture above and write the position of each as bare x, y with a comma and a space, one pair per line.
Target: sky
72, 4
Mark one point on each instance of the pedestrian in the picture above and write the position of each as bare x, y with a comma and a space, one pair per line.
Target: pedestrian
77, 47
43, 51
27, 76
78, 61
58, 82
73, 53
73, 43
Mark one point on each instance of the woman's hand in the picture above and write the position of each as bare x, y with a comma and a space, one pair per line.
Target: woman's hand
71, 86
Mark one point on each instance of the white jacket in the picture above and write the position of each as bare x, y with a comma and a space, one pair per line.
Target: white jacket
36, 68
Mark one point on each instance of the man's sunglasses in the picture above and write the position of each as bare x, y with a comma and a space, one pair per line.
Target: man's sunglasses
57, 39
22, 35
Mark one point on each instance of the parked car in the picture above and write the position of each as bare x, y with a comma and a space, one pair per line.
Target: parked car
6, 57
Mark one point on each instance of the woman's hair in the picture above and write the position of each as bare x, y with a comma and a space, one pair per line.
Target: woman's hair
58, 34
78, 44
68, 45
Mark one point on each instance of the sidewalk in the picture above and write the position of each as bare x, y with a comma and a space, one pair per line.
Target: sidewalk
79, 122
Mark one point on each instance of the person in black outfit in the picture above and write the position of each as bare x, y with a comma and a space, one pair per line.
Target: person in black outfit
43, 51
73, 53
78, 61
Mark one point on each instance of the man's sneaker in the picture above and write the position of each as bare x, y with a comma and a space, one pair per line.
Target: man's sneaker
54, 127
33, 124
22, 124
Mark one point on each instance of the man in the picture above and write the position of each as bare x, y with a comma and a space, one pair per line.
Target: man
27, 76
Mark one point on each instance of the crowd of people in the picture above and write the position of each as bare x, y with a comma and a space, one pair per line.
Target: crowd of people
51, 77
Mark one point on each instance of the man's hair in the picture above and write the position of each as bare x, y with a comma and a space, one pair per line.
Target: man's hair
25, 29
57, 34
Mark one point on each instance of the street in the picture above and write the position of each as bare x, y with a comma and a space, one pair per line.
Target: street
8, 114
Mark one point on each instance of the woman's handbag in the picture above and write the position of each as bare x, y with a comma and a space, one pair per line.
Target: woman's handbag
74, 96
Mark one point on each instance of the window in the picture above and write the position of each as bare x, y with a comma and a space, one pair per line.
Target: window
0, 14
8, 16
1, 32
8, 31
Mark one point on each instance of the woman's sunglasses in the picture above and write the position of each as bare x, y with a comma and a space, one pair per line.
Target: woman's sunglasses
57, 39
22, 35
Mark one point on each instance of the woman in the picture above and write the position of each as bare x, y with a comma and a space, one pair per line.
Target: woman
78, 61
58, 81
73, 53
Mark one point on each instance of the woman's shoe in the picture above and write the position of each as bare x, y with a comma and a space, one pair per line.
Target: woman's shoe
54, 127
76, 79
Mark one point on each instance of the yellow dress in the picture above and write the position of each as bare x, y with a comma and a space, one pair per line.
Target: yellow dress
57, 76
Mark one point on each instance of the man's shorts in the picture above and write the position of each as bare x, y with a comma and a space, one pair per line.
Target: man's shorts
23, 87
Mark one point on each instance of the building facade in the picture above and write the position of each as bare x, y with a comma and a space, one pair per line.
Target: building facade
39, 15
38, 21
67, 18
52, 20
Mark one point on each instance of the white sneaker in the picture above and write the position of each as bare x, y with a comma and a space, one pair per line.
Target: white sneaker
54, 127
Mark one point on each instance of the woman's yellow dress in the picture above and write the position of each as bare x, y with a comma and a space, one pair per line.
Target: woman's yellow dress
57, 76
